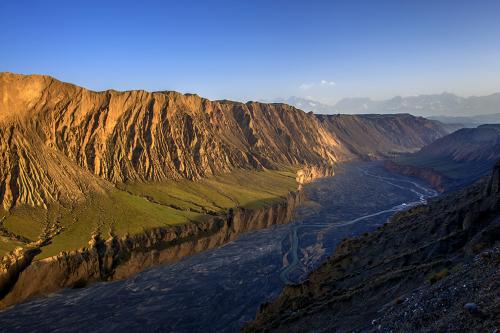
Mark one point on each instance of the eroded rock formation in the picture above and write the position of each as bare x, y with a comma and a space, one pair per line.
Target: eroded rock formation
58, 141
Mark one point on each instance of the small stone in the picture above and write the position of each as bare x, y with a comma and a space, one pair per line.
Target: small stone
471, 307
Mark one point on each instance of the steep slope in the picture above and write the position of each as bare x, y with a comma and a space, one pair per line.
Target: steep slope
468, 144
413, 274
137, 136
454, 160
59, 140
381, 135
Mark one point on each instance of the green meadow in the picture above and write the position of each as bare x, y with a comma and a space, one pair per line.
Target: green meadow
131, 208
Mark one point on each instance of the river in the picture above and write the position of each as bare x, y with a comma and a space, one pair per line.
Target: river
219, 290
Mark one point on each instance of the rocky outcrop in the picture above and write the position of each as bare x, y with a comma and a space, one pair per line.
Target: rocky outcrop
390, 279
431, 176
494, 181
12, 265
59, 141
311, 172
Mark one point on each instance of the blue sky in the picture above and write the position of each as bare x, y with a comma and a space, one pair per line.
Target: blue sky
249, 50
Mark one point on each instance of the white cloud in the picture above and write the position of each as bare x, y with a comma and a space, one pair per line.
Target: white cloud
327, 83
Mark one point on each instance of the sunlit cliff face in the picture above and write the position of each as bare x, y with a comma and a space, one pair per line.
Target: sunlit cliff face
59, 140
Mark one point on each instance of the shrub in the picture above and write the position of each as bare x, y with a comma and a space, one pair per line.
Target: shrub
436, 276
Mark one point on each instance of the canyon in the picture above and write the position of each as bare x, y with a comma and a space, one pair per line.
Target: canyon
220, 289
100, 185
414, 273
249, 166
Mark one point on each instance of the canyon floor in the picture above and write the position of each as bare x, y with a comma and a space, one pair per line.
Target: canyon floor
431, 268
221, 289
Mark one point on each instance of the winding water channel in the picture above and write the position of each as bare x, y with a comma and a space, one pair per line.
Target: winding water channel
219, 290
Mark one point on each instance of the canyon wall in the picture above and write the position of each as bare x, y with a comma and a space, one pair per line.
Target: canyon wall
311, 172
372, 136
431, 176
455, 160
59, 141
118, 258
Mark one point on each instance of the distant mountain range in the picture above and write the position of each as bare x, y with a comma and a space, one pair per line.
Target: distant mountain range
450, 107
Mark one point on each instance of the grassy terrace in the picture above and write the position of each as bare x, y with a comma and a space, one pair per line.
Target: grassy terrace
134, 207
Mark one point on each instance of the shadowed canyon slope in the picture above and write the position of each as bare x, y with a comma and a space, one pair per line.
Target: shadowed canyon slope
413, 274
468, 144
454, 160
55, 138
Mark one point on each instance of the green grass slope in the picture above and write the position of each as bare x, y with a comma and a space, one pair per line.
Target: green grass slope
131, 208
